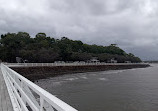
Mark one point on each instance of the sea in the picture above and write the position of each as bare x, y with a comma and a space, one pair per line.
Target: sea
114, 90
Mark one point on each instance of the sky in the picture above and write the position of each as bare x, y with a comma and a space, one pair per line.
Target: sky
131, 24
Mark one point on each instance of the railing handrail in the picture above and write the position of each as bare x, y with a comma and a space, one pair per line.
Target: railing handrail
46, 96
66, 64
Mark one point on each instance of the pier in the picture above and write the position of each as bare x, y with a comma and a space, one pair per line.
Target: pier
35, 71
20, 94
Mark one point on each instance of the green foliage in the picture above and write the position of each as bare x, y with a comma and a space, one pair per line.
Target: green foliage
48, 49
77, 56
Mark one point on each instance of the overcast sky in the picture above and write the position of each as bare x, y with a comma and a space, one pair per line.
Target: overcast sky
132, 24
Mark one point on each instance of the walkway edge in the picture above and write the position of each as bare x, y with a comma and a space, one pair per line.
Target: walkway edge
12, 98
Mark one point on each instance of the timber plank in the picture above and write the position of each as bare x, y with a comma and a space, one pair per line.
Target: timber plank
5, 102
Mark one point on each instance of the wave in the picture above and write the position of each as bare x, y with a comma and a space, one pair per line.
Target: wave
113, 72
84, 77
71, 79
103, 79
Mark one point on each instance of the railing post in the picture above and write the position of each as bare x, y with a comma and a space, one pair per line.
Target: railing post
41, 103
21, 85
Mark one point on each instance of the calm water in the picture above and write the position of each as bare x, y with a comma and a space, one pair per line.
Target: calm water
115, 90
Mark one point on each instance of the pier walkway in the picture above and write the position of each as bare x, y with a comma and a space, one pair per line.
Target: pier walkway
5, 102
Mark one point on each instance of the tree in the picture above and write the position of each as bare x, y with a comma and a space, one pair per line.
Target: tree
48, 49
81, 56
131, 55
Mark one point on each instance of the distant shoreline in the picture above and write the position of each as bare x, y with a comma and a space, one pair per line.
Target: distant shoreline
43, 72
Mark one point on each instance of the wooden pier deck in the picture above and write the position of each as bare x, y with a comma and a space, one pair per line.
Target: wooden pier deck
5, 102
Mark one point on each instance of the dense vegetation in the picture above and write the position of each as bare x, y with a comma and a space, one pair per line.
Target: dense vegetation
48, 49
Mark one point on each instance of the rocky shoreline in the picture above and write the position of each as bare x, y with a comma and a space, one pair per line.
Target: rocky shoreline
43, 72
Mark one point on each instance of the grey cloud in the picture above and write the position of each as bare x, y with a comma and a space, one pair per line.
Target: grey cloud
132, 24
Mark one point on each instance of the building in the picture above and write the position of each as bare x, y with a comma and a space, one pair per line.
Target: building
112, 60
127, 61
93, 60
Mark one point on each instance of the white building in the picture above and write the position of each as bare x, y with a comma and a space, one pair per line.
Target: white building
112, 61
94, 60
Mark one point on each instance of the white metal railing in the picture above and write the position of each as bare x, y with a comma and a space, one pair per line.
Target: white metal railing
66, 64
27, 96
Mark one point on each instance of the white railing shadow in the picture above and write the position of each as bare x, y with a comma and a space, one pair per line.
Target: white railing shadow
27, 96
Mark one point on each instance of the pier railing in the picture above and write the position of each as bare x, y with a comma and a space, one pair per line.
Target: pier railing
27, 96
65, 64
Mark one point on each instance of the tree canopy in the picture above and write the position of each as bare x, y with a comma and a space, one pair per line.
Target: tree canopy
48, 49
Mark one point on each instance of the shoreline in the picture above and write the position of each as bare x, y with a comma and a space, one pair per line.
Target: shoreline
43, 72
